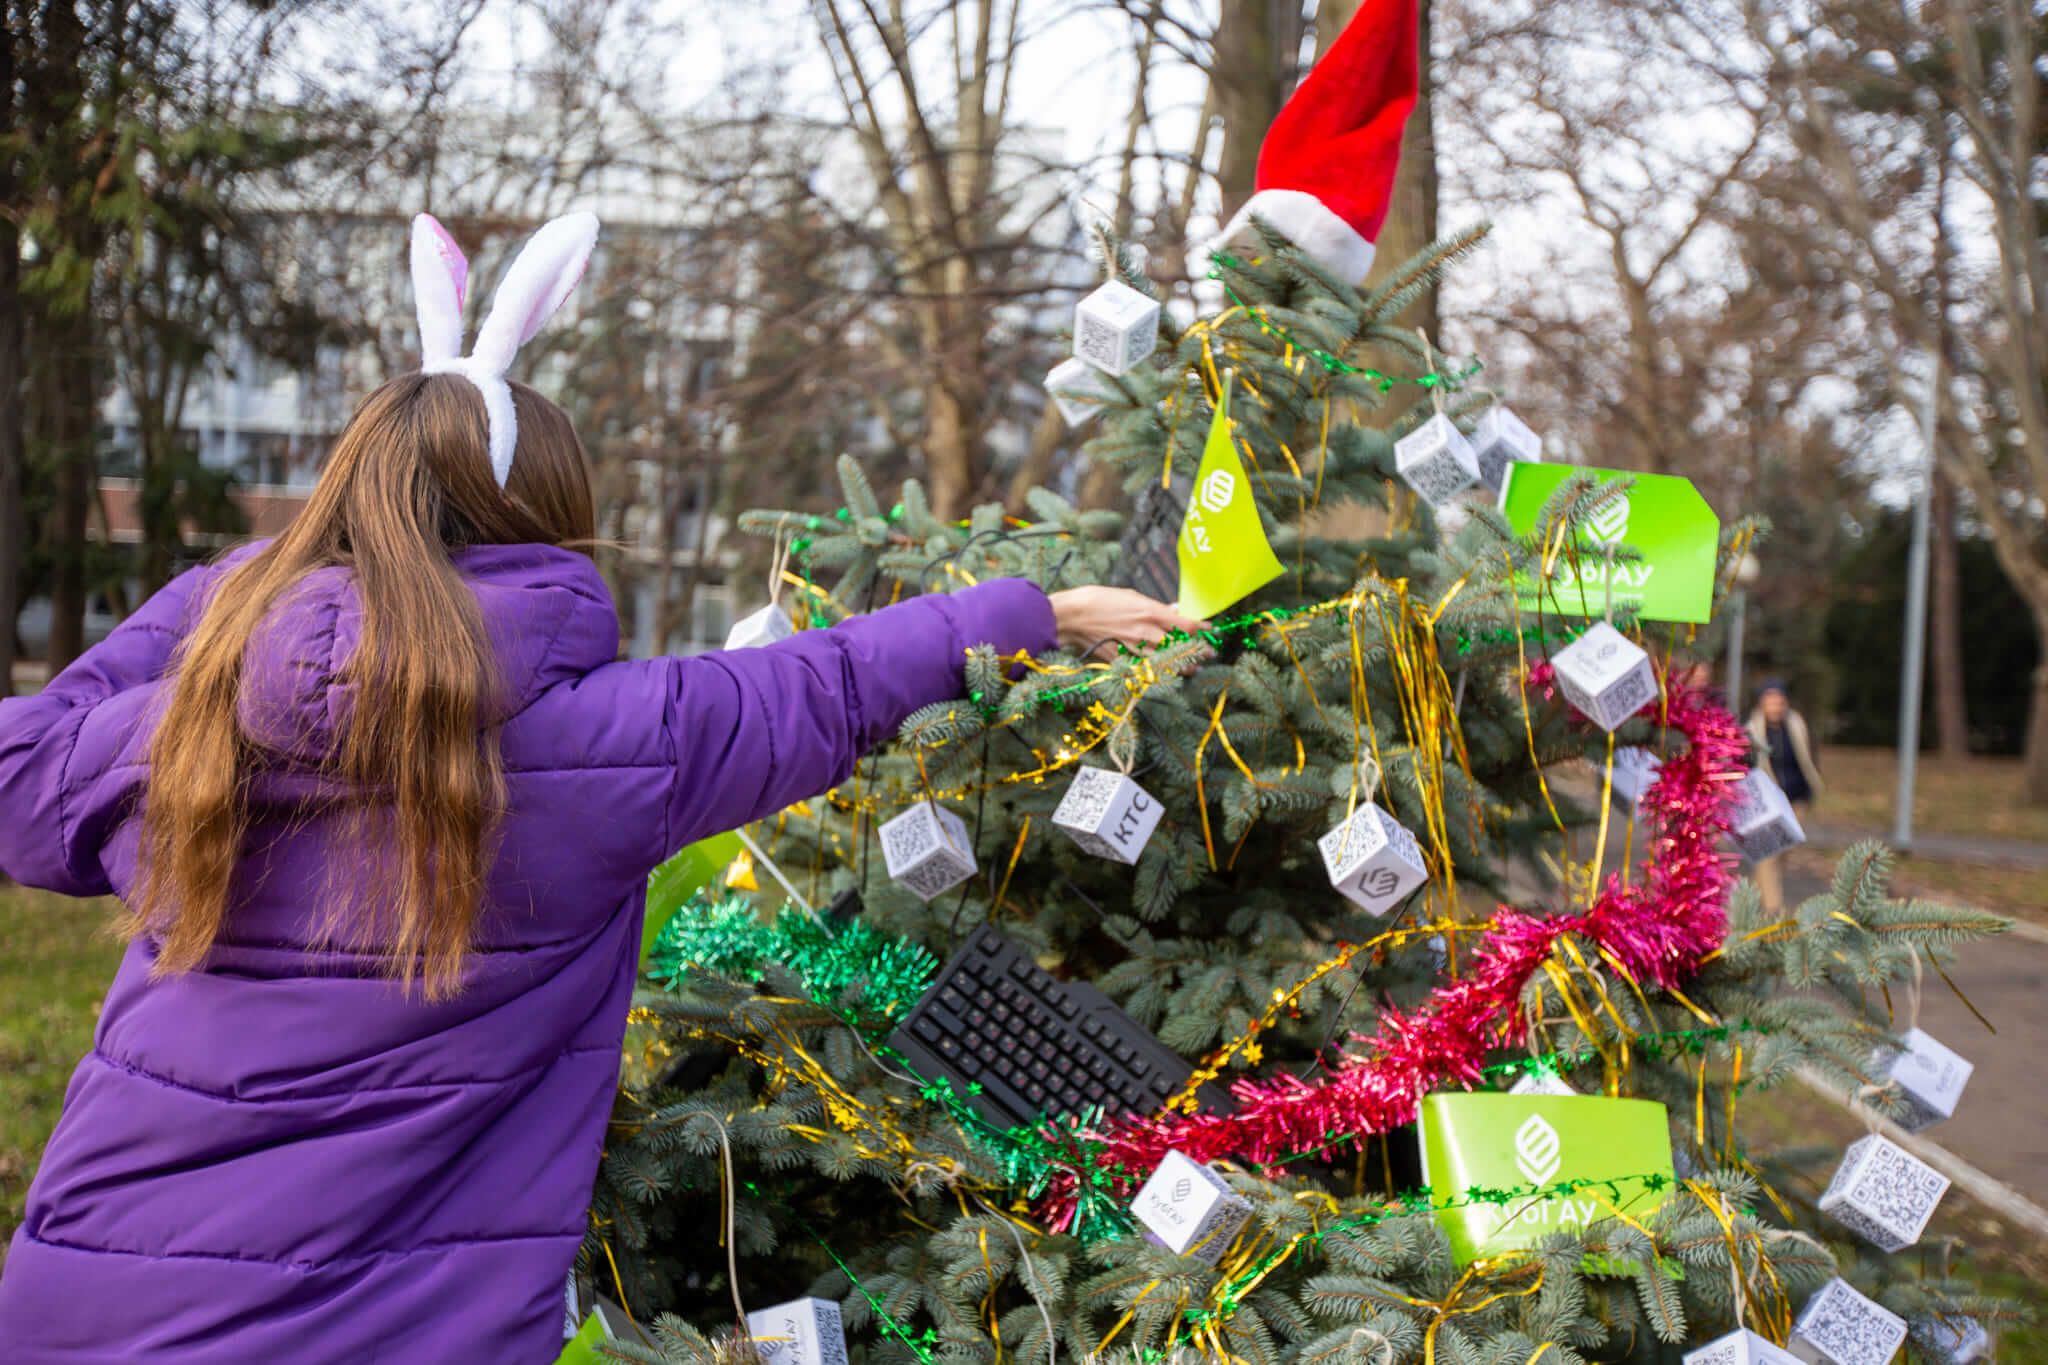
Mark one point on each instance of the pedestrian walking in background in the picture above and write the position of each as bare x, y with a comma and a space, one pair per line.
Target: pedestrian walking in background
1781, 737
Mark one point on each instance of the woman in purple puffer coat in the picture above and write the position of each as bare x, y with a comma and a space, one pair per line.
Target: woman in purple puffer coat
382, 803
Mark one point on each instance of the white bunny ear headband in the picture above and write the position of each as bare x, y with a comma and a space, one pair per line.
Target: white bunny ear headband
539, 279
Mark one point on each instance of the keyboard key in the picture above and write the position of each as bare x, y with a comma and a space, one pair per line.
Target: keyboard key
1065, 1005
927, 1028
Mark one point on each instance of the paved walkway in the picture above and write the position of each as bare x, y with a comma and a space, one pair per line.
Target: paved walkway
1961, 848
2001, 1126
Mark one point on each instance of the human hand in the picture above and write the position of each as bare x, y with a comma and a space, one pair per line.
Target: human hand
1094, 616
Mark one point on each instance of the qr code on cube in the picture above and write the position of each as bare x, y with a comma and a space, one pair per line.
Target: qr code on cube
1439, 478
1893, 1186
1732, 1349
1096, 340
1849, 1328
1633, 691
1087, 800
910, 837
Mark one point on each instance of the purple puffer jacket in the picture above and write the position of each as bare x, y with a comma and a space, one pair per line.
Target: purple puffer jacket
282, 1158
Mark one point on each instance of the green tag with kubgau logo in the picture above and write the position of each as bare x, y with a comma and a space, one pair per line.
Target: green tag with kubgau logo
1224, 554
1505, 1171
1660, 516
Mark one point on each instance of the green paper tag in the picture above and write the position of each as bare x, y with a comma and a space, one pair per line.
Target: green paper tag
678, 879
1661, 516
581, 1349
1224, 556
1597, 1149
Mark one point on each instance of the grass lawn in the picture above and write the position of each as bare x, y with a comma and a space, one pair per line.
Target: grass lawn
55, 963
1974, 796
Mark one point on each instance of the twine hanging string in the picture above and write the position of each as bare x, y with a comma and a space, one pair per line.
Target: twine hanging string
1913, 992
779, 565
1436, 391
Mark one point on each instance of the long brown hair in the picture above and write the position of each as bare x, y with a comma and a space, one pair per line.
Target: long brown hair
409, 480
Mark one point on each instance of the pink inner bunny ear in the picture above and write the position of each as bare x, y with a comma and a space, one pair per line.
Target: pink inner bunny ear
440, 279
535, 285
458, 264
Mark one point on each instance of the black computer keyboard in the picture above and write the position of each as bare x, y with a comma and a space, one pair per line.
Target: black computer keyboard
1037, 1047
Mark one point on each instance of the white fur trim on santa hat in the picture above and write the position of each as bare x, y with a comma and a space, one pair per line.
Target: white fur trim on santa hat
1304, 220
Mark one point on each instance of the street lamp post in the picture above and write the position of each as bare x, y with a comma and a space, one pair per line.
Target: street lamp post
1913, 663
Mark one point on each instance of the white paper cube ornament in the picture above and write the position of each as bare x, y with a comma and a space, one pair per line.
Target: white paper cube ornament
1928, 1075
1189, 1209
1116, 327
1373, 860
1541, 1081
1951, 1341
928, 850
764, 627
1635, 769
1107, 814
1501, 439
1883, 1193
1839, 1326
1606, 675
800, 1332
1436, 460
1074, 384
1741, 1347
1762, 823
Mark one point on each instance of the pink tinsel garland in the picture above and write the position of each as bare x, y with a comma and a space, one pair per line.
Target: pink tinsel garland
1656, 930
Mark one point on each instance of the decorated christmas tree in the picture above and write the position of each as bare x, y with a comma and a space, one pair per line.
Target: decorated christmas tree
1364, 978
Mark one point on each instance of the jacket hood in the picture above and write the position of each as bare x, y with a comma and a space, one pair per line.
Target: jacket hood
548, 613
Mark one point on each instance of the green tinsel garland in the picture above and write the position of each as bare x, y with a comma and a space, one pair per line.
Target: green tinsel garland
723, 934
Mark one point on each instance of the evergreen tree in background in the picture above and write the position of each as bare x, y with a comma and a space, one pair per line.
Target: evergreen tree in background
769, 1145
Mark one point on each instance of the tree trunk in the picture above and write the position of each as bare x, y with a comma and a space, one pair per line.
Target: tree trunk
2036, 761
1411, 212
952, 426
65, 344
1951, 717
12, 532
1256, 50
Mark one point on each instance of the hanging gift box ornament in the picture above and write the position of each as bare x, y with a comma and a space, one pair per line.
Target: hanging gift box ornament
1951, 1341
800, 1332
1436, 460
1606, 675
1839, 1326
1078, 390
1107, 814
1635, 768
1929, 1076
1741, 1347
1191, 1210
764, 627
1762, 823
1502, 439
1373, 861
927, 850
1883, 1193
1116, 327
1541, 1080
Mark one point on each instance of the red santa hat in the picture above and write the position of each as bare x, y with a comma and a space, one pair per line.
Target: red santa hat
1326, 168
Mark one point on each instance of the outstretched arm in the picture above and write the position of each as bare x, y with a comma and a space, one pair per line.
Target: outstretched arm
756, 730
40, 740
